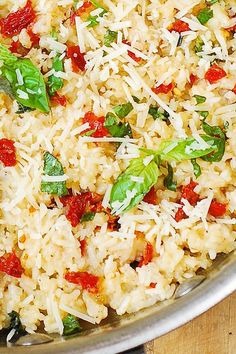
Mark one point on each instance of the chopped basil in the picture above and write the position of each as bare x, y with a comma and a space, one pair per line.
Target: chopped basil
226, 125
200, 99
218, 137
169, 183
15, 323
205, 15
90, 132
55, 83
204, 114
28, 87
110, 37
117, 129
198, 45
94, 20
143, 172
126, 192
122, 110
71, 325
53, 167
212, 2
87, 217
136, 99
54, 33
196, 168
158, 113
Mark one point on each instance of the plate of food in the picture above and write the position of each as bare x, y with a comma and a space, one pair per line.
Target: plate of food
117, 169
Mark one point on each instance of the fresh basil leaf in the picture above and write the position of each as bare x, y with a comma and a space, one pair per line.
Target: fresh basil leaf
126, 192
205, 15
53, 167
204, 114
219, 141
169, 182
123, 110
198, 45
196, 168
158, 113
200, 99
15, 323
185, 149
22, 109
55, 83
6, 88
93, 20
212, 2
110, 120
71, 325
117, 129
32, 93
87, 217
110, 37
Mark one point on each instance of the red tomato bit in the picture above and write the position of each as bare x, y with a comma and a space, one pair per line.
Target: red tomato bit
83, 245
7, 152
96, 124
86, 8
151, 197
16, 21
217, 209
234, 89
59, 99
34, 37
147, 255
231, 29
214, 73
191, 196
179, 26
131, 54
77, 58
11, 265
18, 48
163, 88
193, 78
153, 285
86, 280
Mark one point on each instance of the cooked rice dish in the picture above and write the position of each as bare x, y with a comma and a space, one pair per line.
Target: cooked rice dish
117, 154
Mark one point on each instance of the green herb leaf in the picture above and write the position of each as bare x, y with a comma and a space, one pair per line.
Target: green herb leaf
15, 323
136, 99
200, 99
125, 184
55, 83
212, 2
205, 15
198, 45
158, 113
71, 325
123, 110
110, 37
169, 183
117, 129
219, 142
185, 149
87, 217
196, 168
23, 109
53, 167
204, 114
93, 20
32, 93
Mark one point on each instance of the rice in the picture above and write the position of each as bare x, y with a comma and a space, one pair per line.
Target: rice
35, 224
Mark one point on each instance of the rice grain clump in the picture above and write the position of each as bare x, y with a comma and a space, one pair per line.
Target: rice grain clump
117, 153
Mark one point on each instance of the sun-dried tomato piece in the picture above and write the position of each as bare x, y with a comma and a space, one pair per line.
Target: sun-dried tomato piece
11, 265
214, 74
16, 21
179, 26
77, 58
217, 209
234, 89
193, 78
86, 8
163, 88
147, 255
151, 197
83, 245
131, 54
191, 196
153, 285
17, 48
7, 152
34, 37
76, 206
59, 99
96, 125
86, 280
